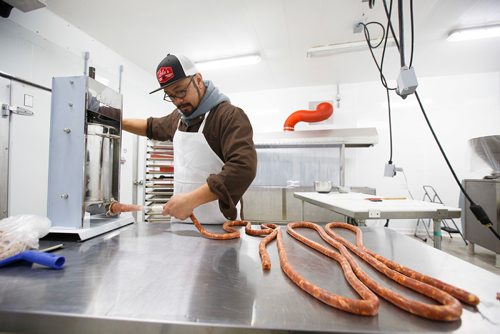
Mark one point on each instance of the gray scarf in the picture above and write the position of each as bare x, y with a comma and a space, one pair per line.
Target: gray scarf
211, 98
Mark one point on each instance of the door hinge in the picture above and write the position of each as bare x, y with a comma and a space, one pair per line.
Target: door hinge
7, 109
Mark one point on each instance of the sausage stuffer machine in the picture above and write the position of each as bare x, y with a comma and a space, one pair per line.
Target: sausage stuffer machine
84, 162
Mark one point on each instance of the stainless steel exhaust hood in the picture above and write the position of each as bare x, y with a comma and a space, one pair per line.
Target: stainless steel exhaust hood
349, 137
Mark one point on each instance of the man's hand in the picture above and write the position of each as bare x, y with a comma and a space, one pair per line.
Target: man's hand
179, 206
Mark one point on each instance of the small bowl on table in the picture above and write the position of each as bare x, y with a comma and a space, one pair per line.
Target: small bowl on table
323, 187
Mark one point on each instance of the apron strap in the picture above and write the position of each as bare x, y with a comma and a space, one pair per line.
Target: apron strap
202, 126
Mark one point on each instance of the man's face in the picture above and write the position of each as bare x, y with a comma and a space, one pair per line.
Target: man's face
185, 94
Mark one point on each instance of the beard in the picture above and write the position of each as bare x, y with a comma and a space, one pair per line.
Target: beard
186, 108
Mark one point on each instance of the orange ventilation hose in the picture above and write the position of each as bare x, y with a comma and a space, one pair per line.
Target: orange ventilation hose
322, 112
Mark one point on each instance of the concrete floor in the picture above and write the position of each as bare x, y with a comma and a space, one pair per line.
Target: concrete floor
455, 246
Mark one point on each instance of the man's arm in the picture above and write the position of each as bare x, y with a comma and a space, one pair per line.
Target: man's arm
240, 161
181, 206
135, 126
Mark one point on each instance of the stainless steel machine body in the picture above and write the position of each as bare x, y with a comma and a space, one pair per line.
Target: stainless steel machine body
84, 163
485, 192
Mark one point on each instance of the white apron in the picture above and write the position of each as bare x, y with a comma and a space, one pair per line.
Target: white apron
194, 161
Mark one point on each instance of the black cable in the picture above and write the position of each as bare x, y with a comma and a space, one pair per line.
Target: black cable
401, 33
386, 35
412, 33
476, 209
382, 77
371, 47
388, 14
390, 23
494, 232
441, 148
390, 125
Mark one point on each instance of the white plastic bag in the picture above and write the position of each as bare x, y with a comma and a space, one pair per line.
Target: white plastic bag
18, 233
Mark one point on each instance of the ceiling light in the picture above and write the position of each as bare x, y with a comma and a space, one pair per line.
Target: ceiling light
203, 65
331, 49
474, 33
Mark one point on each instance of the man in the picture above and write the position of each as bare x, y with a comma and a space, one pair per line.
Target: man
214, 155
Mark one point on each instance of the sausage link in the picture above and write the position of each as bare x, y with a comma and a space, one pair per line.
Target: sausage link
231, 232
264, 255
449, 310
462, 295
422, 309
368, 305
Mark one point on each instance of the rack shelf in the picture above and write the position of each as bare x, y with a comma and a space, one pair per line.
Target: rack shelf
159, 178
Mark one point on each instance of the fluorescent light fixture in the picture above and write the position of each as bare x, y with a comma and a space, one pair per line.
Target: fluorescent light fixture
331, 49
474, 33
251, 59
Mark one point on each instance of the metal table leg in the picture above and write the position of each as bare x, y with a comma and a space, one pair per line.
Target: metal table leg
360, 222
437, 233
302, 210
470, 249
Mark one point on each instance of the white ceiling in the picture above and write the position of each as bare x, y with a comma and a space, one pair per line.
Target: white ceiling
282, 31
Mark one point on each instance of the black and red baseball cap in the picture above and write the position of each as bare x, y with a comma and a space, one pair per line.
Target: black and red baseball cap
173, 68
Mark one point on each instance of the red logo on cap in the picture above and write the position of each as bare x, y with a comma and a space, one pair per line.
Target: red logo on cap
164, 74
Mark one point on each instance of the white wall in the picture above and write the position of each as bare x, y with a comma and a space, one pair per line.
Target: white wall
459, 108
39, 45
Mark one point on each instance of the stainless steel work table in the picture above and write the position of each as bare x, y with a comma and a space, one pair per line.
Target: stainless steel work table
167, 278
357, 207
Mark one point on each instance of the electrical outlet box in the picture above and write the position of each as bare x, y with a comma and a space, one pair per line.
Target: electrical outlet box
358, 28
390, 170
407, 81
373, 213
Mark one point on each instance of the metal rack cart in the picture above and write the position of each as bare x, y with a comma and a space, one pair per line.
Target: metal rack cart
158, 178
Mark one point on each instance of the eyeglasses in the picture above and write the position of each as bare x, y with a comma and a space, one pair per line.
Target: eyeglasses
180, 94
